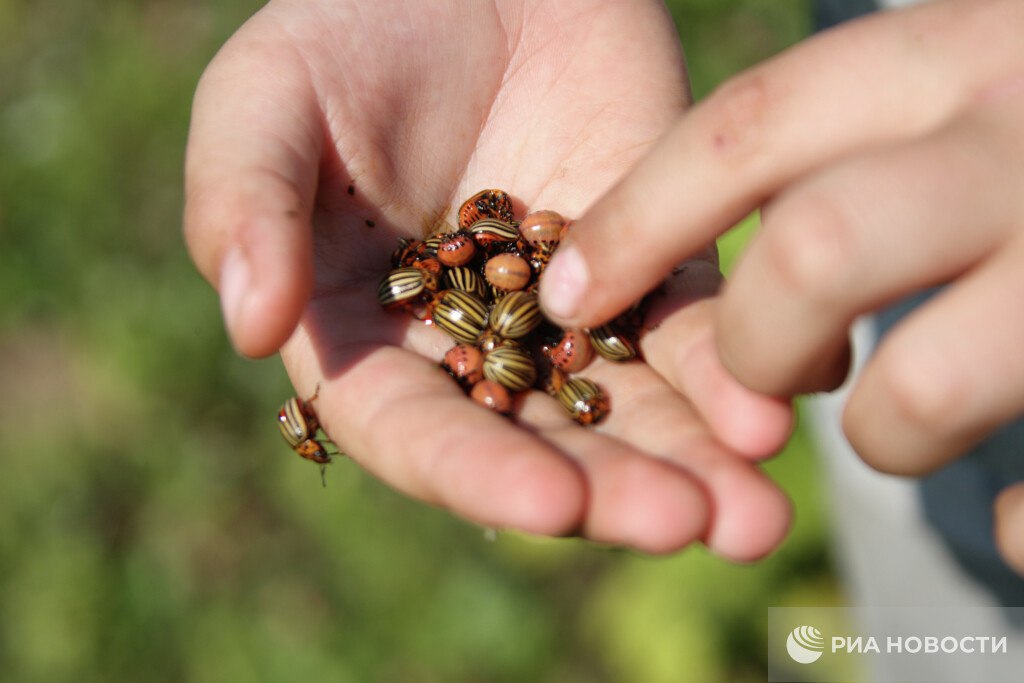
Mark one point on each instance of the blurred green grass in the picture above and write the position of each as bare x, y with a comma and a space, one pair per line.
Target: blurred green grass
152, 525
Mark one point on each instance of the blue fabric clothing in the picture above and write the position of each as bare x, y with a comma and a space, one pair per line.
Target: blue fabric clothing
828, 13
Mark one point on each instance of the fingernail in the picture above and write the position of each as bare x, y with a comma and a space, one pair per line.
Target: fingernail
565, 282
235, 276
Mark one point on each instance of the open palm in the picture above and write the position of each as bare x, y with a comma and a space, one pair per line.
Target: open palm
325, 130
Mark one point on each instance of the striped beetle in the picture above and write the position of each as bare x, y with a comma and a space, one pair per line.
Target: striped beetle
583, 399
461, 314
510, 366
611, 343
489, 233
515, 315
466, 279
299, 425
404, 287
409, 251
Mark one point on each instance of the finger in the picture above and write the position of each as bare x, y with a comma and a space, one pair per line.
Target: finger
250, 180
409, 424
400, 417
626, 497
1009, 526
680, 345
749, 514
945, 377
633, 500
856, 236
815, 103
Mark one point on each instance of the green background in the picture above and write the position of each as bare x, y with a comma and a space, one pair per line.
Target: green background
153, 525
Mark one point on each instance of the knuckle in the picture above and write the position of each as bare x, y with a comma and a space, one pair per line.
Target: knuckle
811, 246
927, 392
740, 110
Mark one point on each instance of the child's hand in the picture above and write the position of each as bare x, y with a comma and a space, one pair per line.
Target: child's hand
320, 118
890, 154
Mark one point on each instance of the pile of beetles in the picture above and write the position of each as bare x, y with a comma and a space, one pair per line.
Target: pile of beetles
478, 283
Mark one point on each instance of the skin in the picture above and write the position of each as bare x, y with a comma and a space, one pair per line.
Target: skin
887, 155
318, 116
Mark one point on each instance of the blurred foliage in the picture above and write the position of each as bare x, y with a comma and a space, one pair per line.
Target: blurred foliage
152, 525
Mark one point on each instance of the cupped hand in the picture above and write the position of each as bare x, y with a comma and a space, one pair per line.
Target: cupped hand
889, 154
325, 130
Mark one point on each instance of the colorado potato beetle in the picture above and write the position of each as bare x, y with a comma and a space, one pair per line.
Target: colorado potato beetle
465, 363
456, 249
583, 399
488, 341
572, 352
429, 263
540, 257
430, 245
542, 228
405, 254
508, 272
486, 204
515, 315
490, 394
510, 366
409, 251
461, 314
550, 379
403, 287
612, 343
299, 424
466, 279
489, 233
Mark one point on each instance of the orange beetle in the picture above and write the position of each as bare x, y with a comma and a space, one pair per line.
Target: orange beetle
485, 204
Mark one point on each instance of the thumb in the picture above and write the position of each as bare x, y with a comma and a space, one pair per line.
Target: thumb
628, 242
250, 182
817, 102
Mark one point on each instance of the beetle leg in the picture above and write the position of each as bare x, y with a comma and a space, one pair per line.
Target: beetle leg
316, 392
